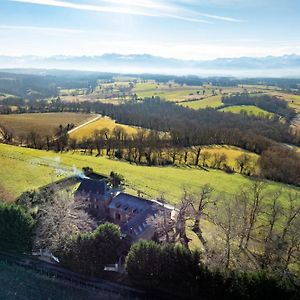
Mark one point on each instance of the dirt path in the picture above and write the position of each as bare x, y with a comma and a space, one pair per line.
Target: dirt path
84, 124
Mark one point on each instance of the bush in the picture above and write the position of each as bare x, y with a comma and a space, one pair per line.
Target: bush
16, 227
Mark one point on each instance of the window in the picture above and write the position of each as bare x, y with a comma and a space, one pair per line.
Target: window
117, 216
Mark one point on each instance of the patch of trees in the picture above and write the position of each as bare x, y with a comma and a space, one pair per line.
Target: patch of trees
176, 269
280, 164
255, 229
43, 86
163, 266
89, 253
16, 227
266, 102
58, 217
27, 86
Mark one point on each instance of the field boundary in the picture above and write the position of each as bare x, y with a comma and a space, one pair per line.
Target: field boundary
85, 124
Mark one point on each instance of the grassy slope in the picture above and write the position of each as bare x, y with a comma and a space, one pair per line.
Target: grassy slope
41, 122
213, 102
250, 109
18, 283
23, 169
105, 122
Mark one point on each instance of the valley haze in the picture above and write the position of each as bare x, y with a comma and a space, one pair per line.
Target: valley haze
268, 66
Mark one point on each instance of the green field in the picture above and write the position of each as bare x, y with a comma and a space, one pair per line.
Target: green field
170, 91
24, 169
213, 101
250, 109
42, 123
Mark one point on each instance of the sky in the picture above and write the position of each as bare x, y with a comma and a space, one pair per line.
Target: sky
185, 29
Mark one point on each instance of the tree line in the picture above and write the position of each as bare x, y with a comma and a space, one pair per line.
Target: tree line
209, 126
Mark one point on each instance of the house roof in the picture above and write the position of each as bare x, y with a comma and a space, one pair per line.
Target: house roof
91, 188
138, 224
126, 202
140, 208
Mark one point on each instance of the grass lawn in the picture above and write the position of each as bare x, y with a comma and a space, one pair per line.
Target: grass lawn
24, 169
213, 101
43, 123
105, 122
250, 109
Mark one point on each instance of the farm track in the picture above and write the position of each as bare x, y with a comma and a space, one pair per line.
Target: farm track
84, 124
51, 270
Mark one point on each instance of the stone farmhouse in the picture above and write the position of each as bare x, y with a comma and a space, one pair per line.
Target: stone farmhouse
130, 212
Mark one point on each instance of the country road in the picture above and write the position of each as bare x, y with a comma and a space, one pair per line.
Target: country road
84, 124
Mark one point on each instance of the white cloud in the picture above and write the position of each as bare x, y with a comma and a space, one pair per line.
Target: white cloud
141, 7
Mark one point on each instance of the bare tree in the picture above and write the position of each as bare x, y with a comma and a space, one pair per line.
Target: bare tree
205, 156
243, 162
196, 152
59, 219
200, 203
273, 214
292, 212
162, 222
184, 210
219, 160
5, 134
227, 217
253, 195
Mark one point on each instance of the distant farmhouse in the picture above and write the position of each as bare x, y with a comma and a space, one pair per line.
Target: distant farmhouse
131, 213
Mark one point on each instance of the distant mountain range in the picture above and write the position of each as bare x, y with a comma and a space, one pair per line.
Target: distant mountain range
287, 65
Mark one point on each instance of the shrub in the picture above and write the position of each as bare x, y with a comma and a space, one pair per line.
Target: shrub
16, 227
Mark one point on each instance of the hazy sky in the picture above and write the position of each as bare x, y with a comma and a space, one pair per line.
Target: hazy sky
189, 29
